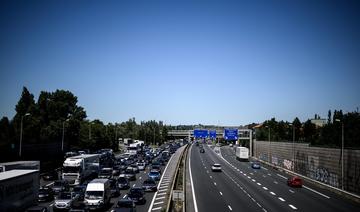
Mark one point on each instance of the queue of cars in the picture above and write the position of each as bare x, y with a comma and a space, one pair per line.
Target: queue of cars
113, 176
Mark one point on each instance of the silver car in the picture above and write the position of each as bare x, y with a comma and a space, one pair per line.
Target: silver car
65, 200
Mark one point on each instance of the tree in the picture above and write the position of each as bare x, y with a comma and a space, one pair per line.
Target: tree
297, 124
329, 117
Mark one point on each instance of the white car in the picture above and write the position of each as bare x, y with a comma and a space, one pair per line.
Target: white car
216, 167
141, 166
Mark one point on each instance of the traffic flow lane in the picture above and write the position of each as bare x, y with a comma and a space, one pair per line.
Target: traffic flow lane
314, 199
234, 195
208, 197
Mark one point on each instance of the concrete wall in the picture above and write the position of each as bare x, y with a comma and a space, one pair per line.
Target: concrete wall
321, 164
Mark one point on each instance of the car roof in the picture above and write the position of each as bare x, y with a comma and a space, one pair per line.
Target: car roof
216, 164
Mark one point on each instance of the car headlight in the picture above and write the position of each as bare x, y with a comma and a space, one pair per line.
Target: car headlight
101, 202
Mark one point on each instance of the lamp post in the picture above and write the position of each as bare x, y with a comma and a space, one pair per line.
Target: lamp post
342, 152
21, 131
269, 144
293, 146
63, 135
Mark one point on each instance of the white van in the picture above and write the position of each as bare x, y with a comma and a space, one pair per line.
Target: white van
97, 194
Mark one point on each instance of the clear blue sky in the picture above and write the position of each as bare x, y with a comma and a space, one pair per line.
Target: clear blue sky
184, 62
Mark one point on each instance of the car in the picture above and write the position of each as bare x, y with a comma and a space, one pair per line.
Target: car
65, 200
46, 194
51, 176
154, 174
216, 167
149, 185
124, 205
60, 186
115, 191
141, 166
37, 208
135, 168
130, 174
80, 190
255, 165
136, 194
230, 145
202, 151
105, 173
123, 183
295, 182
156, 167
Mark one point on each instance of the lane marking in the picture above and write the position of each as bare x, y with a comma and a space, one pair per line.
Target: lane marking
229, 207
49, 184
265, 168
155, 209
51, 204
272, 193
210, 176
293, 207
160, 194
276, 182
220, 193
139, 178
161, 190
159, 198
157, 203
317, 192
134, 185
192, 183
214, 183
281, 199
269, 174
259, 184
291, 191
281, 176
253, 180
265, 188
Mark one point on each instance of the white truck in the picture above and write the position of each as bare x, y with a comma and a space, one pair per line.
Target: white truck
98, 194
242, 153
133, 148
78, 168
18, 189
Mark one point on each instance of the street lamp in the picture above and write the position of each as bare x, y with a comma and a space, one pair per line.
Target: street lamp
293, 146
269, 145
21, 131
63, 135
342, 152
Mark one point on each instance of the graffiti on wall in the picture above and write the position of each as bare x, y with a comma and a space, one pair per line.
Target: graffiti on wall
288, 164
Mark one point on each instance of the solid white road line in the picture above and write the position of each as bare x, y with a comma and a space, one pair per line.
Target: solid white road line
310, 189
192, 183
281, 176
293, 207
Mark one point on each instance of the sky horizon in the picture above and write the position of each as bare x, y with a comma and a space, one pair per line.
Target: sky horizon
184, 62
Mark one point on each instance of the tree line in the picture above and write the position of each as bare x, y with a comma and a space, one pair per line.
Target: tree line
56, 121
327, 135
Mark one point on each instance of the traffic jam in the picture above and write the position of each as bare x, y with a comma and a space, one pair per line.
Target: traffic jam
103, 181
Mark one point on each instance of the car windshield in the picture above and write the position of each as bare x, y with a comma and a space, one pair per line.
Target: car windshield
154, 173
149, 182
64, 196
94, 194
125, 204
58, 183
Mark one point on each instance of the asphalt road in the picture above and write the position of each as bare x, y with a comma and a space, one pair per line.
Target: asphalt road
240, 188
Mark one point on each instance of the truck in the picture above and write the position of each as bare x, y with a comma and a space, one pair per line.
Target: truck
242, 153
133, 148
98, 194
28, 165
19, 189
78, 168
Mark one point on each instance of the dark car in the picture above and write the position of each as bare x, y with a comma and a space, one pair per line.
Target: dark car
154, 174
124, 205
51, 176
255, 165
295, 182
156, 167
149, 185
60, 186
37, 209
123, 183
136, 194
80, 191
46, 194
202, 150
115, 191
130, 174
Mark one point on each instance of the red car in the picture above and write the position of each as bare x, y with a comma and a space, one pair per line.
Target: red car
295, 182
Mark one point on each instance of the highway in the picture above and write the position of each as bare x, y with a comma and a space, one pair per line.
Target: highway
240, 188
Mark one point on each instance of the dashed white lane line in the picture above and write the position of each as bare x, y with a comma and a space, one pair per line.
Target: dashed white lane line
293, 207
134, 185
281, 199
265, 188
249, 177
265, 168
253, 180
321, 194
229, 207
139, 178
210, 176
160, 194
272, 193
220, 193
159, 198
214, 183
51, 204
291, 191
49, 184
259, 184
281, 176
155, 209
276, 182
269, 174
157, 203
